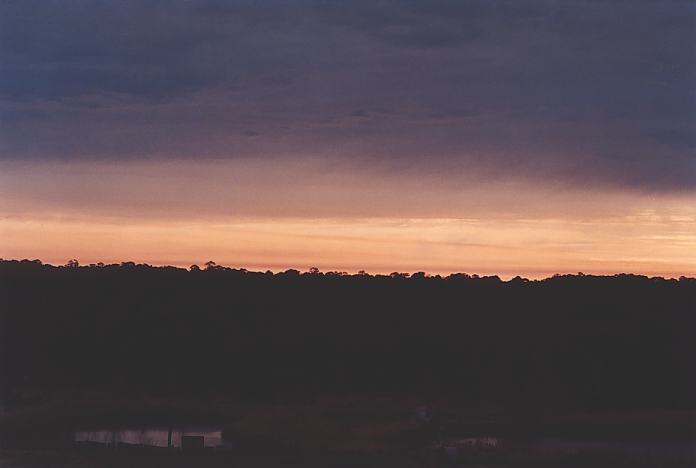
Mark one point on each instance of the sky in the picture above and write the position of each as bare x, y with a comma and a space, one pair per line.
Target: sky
490, 137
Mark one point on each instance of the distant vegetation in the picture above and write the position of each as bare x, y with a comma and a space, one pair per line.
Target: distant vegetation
574, 341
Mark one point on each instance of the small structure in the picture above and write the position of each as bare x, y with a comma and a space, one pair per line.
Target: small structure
192, 442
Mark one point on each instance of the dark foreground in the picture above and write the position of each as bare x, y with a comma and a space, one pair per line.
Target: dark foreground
360, 431
305, 369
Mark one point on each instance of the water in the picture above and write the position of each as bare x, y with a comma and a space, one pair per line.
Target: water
150, 437
617, 448
544, 447
456, 447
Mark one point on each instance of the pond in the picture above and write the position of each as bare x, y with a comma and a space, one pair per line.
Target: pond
542, 448
153, 437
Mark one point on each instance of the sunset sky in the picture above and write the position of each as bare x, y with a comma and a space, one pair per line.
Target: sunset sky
492, 137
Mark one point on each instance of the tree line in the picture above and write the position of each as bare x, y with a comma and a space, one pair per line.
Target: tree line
569, 341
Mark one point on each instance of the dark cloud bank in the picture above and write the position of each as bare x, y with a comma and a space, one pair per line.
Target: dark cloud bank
583, 92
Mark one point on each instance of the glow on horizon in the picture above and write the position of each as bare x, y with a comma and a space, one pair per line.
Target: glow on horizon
529, 248
278, 214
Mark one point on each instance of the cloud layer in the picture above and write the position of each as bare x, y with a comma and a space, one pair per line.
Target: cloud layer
585, 93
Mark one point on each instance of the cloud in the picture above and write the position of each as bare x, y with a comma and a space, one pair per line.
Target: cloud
579, 92
681, 139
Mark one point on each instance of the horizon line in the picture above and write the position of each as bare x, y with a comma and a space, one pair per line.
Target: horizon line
213, 266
